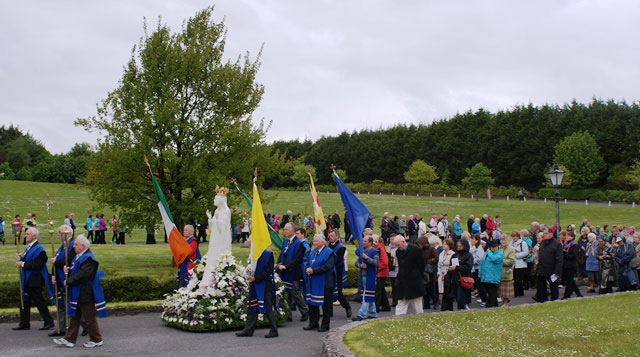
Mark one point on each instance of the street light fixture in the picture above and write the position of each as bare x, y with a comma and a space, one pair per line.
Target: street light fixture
556, 176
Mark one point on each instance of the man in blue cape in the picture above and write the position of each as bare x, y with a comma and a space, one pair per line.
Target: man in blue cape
262, 297
320, 276
34, 276
290, 264
341, 273
368, 265
86, 297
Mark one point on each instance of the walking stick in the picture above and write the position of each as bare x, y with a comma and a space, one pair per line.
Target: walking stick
66, 287
19, 271
53, 267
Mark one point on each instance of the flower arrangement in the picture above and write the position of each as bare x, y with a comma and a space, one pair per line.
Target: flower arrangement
222, 305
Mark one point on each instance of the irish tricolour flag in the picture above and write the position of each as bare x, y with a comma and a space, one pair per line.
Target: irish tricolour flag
179, 246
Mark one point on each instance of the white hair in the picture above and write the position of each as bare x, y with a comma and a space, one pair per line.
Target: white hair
399, 238
318, 236
433, 240
368, 231
591, 235
34, 230
290, 225
81, 239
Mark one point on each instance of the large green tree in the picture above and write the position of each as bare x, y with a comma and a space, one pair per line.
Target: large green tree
420, 172
478, 178
579, 152
189, 110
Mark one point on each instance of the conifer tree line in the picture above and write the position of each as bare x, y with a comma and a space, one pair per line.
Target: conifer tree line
518, 146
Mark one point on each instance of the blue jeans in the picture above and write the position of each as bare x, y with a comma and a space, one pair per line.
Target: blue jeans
367, 307
464, 297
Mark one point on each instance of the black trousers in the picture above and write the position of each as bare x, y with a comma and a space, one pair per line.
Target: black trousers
115, 236
120, 238
90, 236
314, 311
252, 318
382, 301
569, 282
492, 294
482, 291
343, 300
541, 294
35, 299
519, 275
151, 239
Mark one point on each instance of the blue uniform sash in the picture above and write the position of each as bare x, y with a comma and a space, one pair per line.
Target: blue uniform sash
183, 266
29, 256
256, 289
289, 252
341, 271
370, 275
98, 294
60, 255
315, 283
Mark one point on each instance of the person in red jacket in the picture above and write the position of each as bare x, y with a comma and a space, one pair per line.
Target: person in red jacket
382, 301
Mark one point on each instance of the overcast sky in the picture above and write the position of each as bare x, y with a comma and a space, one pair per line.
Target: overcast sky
329, 66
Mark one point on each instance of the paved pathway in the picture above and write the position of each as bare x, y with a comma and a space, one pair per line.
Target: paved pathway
145, 334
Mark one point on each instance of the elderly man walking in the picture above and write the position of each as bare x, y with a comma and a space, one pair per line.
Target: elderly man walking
86, 298
410, 286
549, 267
320, 274
34, 275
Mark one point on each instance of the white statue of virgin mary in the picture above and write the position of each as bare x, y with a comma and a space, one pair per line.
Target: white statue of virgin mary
220, 234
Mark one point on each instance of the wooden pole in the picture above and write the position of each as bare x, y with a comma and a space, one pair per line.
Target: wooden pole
53, 267
66, 275
19, 270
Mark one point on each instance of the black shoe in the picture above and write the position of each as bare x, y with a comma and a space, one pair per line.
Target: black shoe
85, 332
385, 310
304, 317
308, 328
20, 328
323, 329
372, 317
357, 318
47, 327
289, 318
271, 334
349, 313
243, 334
57, 334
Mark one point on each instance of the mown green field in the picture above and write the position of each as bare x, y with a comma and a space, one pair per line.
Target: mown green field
139, 259
599, 326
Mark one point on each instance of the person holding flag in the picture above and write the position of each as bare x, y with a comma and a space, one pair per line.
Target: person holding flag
290, 266
341, 273
368, 264
180, 248
262, 295
194, 256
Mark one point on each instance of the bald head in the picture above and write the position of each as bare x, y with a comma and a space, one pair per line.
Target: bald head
188, 231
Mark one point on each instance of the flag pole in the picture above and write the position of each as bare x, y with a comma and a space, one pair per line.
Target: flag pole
66, 276
17, 238
49, 203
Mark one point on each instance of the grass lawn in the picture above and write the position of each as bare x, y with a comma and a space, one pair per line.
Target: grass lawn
606, 325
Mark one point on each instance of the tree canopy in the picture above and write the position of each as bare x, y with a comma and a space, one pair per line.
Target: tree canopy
420, 173
179, 103
478, 178
580, 154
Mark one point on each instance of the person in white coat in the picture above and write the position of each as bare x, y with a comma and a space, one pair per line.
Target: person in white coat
520, 268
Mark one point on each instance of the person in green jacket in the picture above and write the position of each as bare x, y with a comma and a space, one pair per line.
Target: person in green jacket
505, 291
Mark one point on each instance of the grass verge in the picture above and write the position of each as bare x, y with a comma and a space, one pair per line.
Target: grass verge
605, 325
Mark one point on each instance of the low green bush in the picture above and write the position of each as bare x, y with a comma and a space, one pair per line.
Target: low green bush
138, 288
593, 194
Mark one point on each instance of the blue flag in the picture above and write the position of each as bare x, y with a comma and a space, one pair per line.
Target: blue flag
357, 213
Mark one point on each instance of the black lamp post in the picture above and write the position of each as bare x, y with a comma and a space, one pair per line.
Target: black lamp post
556, 176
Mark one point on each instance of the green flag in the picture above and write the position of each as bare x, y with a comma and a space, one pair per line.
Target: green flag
275, 237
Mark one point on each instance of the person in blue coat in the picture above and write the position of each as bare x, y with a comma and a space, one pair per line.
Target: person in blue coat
34, 276
320, 274
491, 271
627, 278
262, 297
368, 265
86, 297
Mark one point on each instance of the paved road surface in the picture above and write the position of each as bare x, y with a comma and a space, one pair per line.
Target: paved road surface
144, 334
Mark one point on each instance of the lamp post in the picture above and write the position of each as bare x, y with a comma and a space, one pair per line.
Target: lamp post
556, 176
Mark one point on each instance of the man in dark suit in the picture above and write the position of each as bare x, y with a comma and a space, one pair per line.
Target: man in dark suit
470, 224
261, 297
34, 276
320, 268
412, 229
409, 283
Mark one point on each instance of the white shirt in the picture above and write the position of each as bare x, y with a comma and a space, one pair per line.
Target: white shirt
29, 247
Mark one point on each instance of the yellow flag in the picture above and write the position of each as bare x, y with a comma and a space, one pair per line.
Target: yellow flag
320, 224
260, 239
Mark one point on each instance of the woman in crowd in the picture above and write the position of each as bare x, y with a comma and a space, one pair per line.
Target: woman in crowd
457, 227
505, 290
490, 272
529, 281
446, 287
402, 225
475, 227
16, 227
635, 262
436, 243
570, 251
520, 267
430, 256
393, 272
381, 299
491, 225
607, 269
463, 269
102, 227
433, 225
477, 252
114, 228
591, 264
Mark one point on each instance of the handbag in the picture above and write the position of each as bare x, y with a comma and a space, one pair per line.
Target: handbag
466, 282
